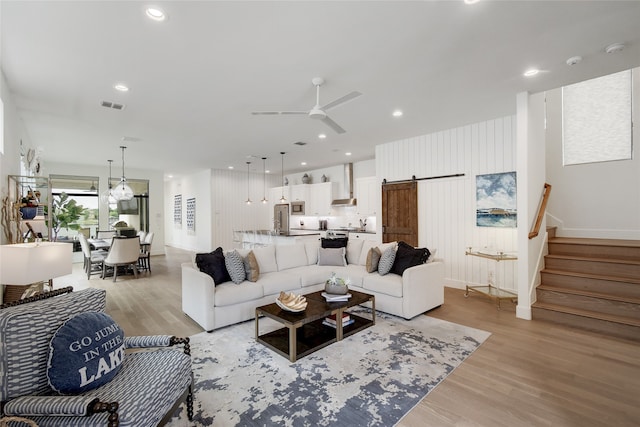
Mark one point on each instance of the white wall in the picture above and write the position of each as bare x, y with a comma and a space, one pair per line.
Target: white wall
447, 207
605, 197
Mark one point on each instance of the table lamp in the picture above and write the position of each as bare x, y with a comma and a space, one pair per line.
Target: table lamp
31, 264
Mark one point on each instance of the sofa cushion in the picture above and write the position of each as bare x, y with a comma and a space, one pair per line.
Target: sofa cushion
86, 352
390, 284
366, 246
355, 273
338, 242
311, 247
386, 260
354, 247
313, 274
213, 264
407, 256
229, 293
290, 256
266, 258
332, 256
235, 266
373, 258
251, 268
273, 283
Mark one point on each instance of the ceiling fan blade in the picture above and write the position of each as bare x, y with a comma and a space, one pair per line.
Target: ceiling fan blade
277, 113
333, 125
347, 97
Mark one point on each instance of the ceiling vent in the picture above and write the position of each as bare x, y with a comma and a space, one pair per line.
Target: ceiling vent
108, 104
301, 143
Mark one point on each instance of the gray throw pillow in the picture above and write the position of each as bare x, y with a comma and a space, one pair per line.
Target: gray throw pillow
386, 260
331, 256
235, 266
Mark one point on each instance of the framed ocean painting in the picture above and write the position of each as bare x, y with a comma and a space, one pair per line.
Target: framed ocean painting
496, 200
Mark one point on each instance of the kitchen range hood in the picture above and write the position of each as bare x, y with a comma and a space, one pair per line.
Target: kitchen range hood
348, 185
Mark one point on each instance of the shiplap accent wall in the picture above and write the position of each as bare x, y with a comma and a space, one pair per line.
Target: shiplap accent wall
230, 212
447, 206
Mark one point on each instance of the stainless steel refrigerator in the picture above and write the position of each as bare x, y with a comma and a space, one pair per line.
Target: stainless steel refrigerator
281, 219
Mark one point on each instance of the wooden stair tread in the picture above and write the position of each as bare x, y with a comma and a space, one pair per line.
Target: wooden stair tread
592, 276
591, 294
588, 313
594, 259
596, 242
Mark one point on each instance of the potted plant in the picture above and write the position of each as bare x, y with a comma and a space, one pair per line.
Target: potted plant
66, 212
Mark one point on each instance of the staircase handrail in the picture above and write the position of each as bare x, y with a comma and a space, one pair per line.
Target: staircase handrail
541, 210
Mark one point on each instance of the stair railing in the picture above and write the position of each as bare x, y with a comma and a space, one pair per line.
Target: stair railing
541, 210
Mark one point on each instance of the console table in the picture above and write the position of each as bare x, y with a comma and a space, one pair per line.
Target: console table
490, 290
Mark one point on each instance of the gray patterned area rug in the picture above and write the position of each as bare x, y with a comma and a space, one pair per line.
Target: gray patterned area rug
372, 378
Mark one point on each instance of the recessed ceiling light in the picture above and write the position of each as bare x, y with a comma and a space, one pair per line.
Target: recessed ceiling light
229, 167
397, 113
156, 14
121, 87
304, 163
614, 48
322, 136
471, 1
267, 171
531, 72
348, 153
574, 60
169, 176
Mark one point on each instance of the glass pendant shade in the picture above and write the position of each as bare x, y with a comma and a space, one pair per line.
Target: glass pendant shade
106, 198
122, 191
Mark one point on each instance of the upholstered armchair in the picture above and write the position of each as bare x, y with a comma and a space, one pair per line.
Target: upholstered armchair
142, 388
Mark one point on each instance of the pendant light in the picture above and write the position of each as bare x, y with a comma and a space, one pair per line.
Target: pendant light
282, 199
122, 190
106, 198
248, 199
264, 181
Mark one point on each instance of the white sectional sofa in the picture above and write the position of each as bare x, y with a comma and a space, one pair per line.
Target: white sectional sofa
293, 268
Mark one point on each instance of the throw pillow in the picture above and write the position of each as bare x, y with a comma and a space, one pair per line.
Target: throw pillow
213, 264
235, 266
331, 256
373, 258
338, 242
86, 352
251, 268
407, 256
432, 255
386, 260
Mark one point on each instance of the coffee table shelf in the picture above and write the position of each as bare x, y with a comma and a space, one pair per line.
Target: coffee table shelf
304, 333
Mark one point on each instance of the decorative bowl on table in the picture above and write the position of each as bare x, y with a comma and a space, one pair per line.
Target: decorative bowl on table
291, 302
337, 286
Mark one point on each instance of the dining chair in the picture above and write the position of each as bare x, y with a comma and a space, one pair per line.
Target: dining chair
92, 260
144, 259
123, 252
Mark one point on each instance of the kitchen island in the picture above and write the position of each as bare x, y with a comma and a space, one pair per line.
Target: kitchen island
257, 238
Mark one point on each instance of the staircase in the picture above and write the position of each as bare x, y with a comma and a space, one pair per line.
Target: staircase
592, 284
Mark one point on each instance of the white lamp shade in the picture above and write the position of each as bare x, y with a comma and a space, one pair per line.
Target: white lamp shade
27, 263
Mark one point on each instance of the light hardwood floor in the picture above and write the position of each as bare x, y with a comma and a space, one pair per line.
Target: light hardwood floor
528, 373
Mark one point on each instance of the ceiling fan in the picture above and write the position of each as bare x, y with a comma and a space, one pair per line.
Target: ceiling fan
318, 112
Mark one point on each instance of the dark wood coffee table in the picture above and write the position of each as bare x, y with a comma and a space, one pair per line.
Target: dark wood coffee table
303, 333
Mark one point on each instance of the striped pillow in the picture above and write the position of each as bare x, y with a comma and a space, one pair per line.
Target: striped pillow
235, 266
386, 260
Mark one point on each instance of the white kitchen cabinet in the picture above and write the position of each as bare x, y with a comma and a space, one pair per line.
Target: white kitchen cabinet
368, 195
300, 193
320, 197
363, 236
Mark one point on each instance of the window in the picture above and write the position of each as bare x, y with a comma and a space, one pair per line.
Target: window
84, 190
596, 120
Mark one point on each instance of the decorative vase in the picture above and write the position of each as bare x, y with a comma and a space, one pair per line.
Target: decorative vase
324, 178
28, 212
335, 288
306, 179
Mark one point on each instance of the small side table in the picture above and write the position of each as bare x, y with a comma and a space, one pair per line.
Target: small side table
489, 290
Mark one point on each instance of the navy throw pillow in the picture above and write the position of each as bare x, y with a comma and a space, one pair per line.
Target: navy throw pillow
86, 352
213, 264
408, 256
338, 242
